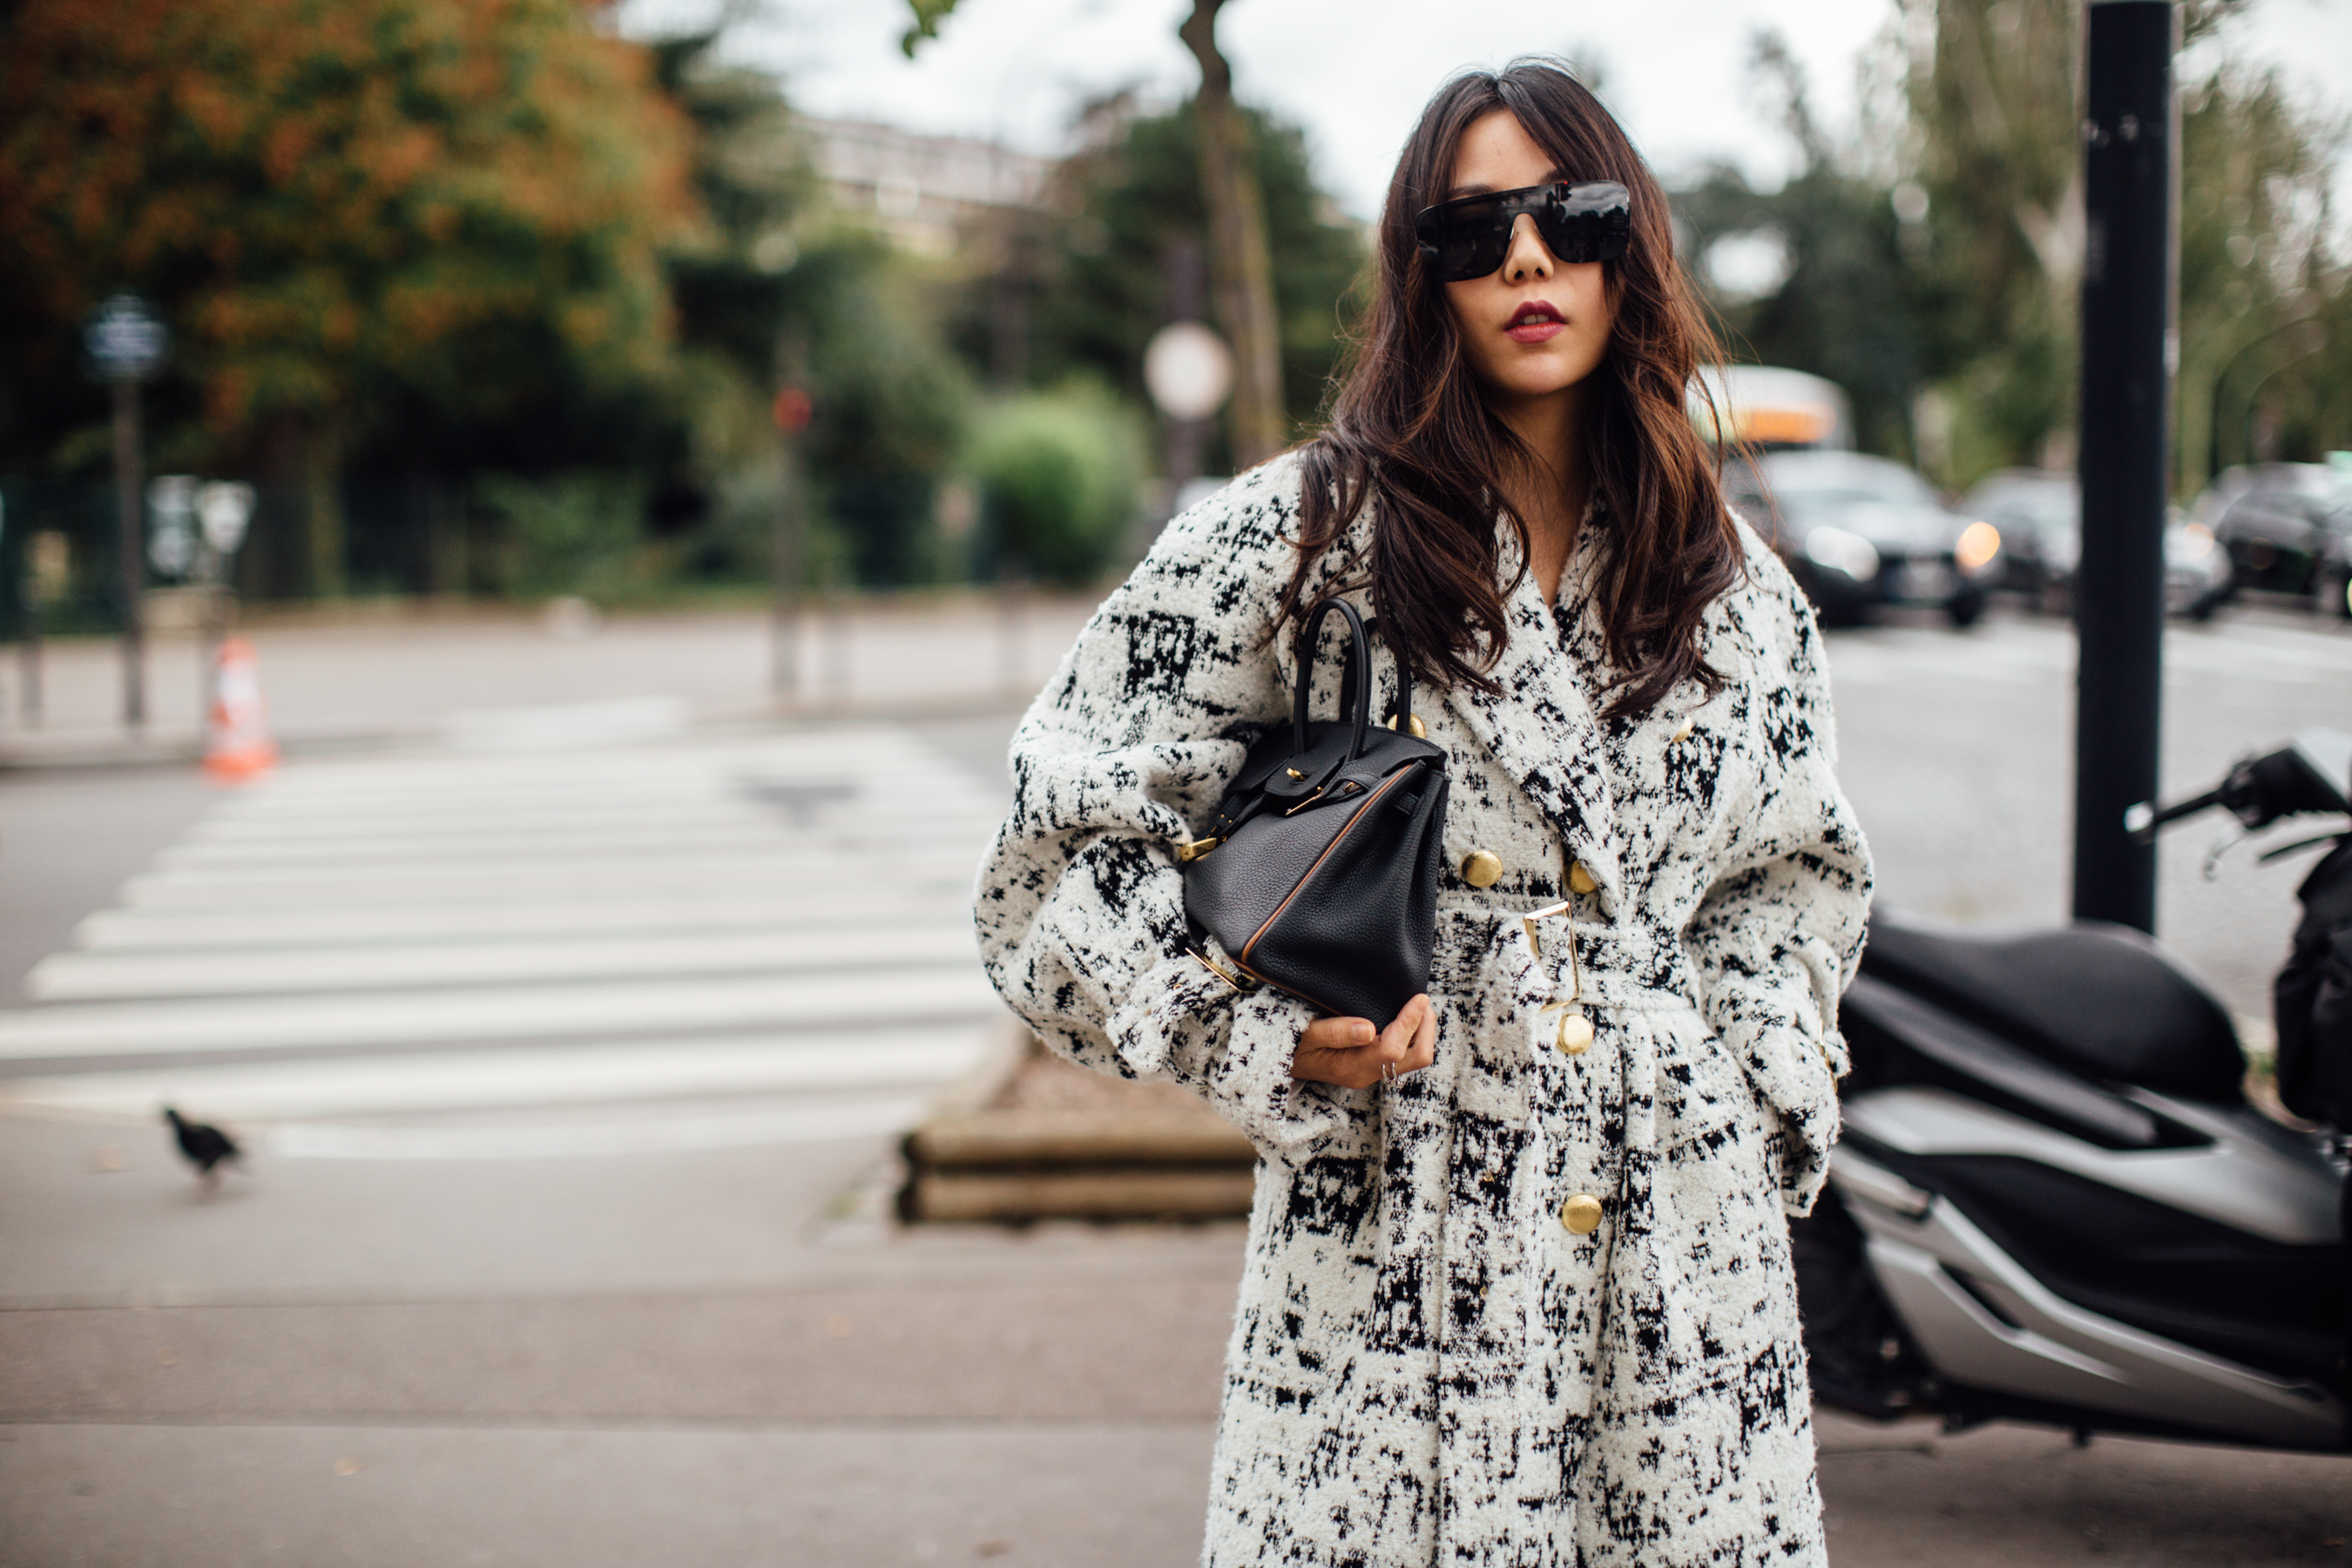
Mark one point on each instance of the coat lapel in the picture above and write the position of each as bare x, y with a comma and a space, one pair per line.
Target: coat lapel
1540, 724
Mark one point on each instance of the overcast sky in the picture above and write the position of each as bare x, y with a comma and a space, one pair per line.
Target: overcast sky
1354, 73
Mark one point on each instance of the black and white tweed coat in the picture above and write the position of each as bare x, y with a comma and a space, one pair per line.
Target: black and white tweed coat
1426, 1366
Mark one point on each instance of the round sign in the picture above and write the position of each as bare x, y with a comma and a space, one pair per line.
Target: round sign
223, 507
1188, 370
125, 341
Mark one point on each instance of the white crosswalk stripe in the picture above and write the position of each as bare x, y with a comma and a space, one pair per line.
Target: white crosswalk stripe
345, 955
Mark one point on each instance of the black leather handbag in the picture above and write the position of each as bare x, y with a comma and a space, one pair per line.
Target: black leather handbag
1318, 875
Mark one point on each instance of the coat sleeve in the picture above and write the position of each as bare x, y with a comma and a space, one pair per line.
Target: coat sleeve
1778, 936
1080, 906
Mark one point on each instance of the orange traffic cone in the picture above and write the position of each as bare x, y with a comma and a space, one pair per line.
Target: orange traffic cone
237, 746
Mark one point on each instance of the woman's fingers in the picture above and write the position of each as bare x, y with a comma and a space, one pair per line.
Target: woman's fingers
1351, 1053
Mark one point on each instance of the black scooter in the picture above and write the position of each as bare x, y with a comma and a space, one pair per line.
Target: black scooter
2053, 1202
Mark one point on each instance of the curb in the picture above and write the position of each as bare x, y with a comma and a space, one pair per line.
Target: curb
977, 1159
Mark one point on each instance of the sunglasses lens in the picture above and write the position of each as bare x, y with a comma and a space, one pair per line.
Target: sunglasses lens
1467, 240
1588, 222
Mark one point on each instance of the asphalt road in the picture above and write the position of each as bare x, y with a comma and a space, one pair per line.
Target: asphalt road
563, 1237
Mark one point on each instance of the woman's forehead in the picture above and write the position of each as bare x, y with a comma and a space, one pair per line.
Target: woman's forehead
1498, 155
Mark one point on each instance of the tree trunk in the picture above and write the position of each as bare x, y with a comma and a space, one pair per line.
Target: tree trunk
322, 506
1241, 269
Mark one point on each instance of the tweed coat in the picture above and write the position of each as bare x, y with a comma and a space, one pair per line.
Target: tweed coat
1426, 1364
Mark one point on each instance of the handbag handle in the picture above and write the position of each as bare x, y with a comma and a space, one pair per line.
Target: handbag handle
1355, 680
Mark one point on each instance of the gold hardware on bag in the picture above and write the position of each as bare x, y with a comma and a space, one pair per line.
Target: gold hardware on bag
1413, 726
1246, 987
1191, 849
1293, 773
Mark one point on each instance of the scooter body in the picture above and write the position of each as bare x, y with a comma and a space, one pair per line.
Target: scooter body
2053, 1202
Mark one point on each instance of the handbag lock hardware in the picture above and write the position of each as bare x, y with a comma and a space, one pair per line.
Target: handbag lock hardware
1246, 987
1191, 849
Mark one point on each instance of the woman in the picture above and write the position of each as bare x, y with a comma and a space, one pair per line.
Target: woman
1518, 1286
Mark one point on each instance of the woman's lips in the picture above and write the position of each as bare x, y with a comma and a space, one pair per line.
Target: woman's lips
1536, 322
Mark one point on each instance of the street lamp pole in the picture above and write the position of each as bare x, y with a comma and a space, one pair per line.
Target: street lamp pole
131, 563
2130, 166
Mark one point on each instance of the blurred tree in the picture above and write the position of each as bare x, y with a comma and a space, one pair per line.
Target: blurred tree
345, 206
2265, 310
1056, 474
892, 402
1993, 157
1133, 198
1812, 275
1241, 244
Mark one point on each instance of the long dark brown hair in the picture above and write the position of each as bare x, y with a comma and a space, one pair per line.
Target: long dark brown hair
1412, 433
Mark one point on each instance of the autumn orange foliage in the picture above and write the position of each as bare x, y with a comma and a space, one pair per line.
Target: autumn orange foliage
331, 198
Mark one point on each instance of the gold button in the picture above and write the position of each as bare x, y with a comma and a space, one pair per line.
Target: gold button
1580, 1214
1575, 1034
1682, 734
1579, 880
1480, 869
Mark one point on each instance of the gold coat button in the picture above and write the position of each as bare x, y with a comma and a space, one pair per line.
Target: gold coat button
1480, 869
1580, 1214
1575, 1034
1682, 734
1579, 880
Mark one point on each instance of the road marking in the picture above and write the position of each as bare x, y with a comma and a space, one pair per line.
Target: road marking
164, 930
83, 977
423, 883
954, 992
642, 1135
440, 1081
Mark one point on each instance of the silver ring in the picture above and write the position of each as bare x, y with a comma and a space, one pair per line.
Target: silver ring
1388, 1073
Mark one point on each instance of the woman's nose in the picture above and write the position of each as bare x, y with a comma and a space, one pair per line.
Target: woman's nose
1528, 259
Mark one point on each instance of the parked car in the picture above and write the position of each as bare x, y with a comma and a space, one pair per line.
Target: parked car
2285, 526
2040, 515
1860, 531
2336, 579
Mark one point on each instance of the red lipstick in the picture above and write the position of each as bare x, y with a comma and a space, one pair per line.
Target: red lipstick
1536, 322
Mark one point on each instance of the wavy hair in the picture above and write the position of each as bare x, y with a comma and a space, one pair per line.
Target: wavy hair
1410, 431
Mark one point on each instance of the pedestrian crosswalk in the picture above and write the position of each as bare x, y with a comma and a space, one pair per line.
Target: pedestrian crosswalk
347, 953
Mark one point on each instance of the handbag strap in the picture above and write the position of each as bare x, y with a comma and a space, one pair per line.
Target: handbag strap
1355, 680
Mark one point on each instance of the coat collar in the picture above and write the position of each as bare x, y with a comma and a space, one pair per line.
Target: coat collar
1539, 723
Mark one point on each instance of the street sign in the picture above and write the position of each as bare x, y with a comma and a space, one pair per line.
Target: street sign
223, 507
172, 543
125, 341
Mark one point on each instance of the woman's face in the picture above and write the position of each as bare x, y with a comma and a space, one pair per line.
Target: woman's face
1536, 326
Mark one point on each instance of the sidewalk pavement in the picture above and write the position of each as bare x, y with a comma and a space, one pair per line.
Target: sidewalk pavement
492, 678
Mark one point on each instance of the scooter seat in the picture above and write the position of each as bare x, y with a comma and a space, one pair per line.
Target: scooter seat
2103, 1000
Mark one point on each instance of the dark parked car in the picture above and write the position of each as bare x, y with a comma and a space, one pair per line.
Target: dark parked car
1861, 531
2040, 515
2285, 528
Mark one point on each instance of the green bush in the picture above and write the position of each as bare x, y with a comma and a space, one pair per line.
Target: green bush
1056, 474
576, 534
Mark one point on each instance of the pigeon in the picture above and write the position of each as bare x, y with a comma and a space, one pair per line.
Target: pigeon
204, 1147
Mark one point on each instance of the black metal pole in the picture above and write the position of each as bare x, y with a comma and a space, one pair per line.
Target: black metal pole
2127, 289
129, 544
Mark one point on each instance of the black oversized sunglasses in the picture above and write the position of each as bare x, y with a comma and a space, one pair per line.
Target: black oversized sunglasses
1468, 237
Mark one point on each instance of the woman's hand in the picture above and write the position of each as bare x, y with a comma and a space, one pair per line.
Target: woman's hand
1346, 1051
